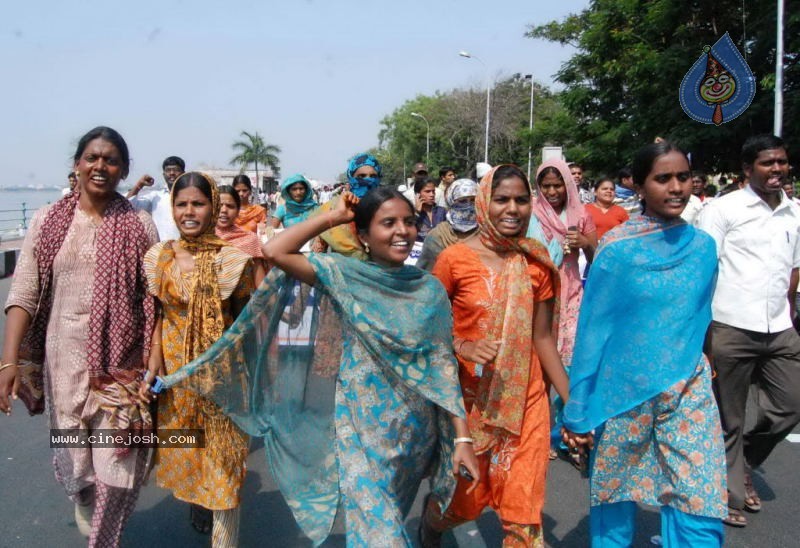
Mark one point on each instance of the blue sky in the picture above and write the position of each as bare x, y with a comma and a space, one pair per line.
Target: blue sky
185, 77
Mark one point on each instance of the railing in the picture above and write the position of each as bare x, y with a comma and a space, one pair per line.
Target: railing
13, 223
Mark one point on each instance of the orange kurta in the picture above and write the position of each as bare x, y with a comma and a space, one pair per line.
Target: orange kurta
250, 216
210, 476
513, 470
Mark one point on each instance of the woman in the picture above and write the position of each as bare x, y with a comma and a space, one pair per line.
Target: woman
79, 305
605, 214
363, 175
429, 215
460, 222
298, 202
565, 221
250, 215
639, 378
385, 415
202, 283
229, 205
503, 288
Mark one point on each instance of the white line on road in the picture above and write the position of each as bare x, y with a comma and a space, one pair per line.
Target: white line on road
468, 536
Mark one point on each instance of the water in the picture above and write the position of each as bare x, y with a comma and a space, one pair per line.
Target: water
11, 207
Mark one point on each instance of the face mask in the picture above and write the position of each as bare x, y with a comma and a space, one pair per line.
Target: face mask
360, 187
462, 217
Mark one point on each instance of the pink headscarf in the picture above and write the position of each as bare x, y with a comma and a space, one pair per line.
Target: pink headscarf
551, 222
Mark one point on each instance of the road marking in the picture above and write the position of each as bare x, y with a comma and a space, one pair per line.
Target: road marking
468, 536
793, 438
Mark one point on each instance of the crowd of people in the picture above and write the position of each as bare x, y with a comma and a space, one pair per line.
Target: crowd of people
620, 328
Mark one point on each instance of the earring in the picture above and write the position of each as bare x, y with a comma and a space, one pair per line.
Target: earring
366, 247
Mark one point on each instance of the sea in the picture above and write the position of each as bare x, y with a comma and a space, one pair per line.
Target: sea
11, 208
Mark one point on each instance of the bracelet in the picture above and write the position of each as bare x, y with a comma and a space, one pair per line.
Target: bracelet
459, 345
463, 440
7, 365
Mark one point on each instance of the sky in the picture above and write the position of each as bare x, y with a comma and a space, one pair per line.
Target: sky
186, 77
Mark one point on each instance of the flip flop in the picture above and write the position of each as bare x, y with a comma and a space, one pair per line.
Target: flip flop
752, 502
735, 518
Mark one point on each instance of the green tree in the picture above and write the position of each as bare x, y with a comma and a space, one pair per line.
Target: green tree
621, 87
457, 128
253, 150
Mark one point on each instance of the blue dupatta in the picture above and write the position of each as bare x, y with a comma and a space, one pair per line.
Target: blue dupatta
644, 316
402, 318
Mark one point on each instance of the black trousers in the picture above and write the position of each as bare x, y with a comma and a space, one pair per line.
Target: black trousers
772, 362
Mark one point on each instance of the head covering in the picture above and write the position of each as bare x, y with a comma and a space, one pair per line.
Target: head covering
361, 186
461, 215
551, 222
500, 402
297, 211
419, 167
481, 169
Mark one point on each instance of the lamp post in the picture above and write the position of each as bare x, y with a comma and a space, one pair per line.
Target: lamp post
488, 101
427, 136
529, 77
778, 120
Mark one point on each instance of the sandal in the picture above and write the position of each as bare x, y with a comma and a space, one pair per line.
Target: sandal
202, 518
553, 454
735, 518
752, 502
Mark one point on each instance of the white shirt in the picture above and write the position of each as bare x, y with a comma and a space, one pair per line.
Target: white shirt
157, 203
693, 208
757, 249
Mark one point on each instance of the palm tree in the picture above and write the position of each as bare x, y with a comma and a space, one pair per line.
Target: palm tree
253, 150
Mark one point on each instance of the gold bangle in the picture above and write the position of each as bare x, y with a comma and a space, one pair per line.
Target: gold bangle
7, 365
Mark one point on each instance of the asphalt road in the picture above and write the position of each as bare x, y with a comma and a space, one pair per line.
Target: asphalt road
34, 511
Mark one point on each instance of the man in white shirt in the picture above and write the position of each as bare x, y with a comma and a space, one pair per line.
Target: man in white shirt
757, 231
157, 202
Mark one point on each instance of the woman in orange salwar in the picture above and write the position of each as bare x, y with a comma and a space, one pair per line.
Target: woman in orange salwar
503, 289
202, 283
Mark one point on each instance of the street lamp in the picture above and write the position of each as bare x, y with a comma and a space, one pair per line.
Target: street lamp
488, 101
427, 137
529, 77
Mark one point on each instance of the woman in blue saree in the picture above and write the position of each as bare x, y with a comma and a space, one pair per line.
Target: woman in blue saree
639, 379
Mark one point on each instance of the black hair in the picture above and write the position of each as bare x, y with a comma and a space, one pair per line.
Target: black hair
602, 180
444, 170
372, 201
419, 185
507, 171
624, 173
575, 164
242, 179
646, 156
700, 175
193, 179
754, 145
548, 170
72, 175
106, 134
230, 191
173, 161
710, 190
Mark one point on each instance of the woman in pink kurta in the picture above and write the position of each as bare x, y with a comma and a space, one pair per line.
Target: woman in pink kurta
563, 218
78, 305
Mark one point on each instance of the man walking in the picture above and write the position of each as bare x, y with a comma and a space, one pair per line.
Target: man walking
751, 338
158, 202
